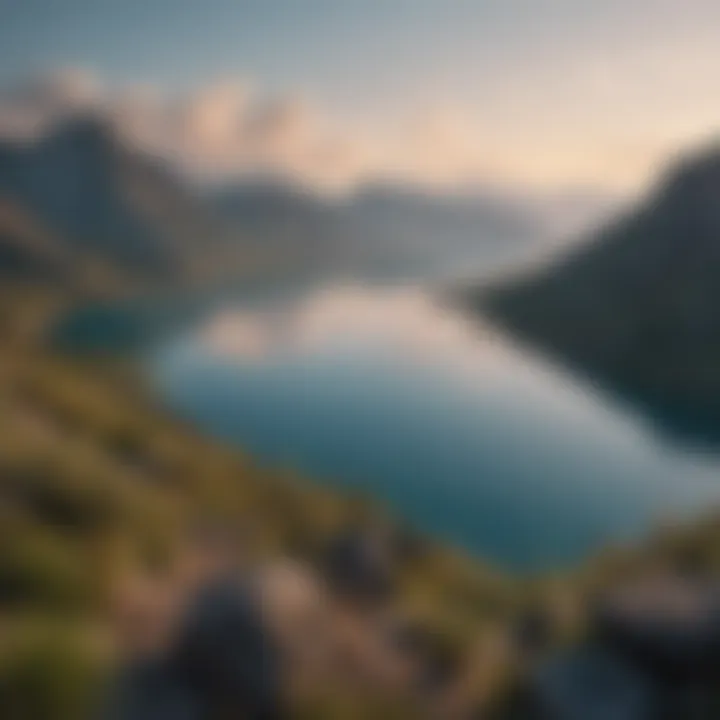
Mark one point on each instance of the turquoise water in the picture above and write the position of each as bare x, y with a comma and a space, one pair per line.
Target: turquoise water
469, 438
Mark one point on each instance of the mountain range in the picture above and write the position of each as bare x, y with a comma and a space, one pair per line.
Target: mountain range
384, 227
96, 199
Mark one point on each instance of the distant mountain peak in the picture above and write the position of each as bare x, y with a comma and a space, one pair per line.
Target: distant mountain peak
87, 131
103, 197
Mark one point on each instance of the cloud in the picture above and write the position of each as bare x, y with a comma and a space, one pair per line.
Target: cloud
221, 129
214, 116
228, 128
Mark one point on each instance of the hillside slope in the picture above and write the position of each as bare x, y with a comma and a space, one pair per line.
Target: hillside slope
103, 198
635, 307
100, 487
27, 249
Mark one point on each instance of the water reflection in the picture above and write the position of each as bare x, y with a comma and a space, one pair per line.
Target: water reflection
388, 392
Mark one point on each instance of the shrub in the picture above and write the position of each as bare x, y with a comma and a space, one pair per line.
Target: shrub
49, 678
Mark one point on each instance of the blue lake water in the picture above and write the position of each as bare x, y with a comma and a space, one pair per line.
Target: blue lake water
381, 390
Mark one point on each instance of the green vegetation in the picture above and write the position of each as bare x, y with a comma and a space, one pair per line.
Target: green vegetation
98, 482
95, 478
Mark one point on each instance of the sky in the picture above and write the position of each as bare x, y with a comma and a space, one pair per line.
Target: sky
541, 93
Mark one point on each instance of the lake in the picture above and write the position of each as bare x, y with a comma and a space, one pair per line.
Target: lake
381, 389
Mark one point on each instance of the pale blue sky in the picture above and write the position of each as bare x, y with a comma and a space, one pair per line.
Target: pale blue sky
620, 82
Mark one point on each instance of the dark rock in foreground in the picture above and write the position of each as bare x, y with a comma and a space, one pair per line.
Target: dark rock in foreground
222, 664
653, 654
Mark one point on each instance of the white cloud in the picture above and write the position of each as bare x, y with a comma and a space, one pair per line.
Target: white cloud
227, 128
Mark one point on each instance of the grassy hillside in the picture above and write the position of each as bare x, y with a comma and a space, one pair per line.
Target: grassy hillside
97, 481
98, 484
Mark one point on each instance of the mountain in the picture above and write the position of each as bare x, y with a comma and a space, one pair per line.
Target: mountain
635, 307
104, 199
382, 227
282, 219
